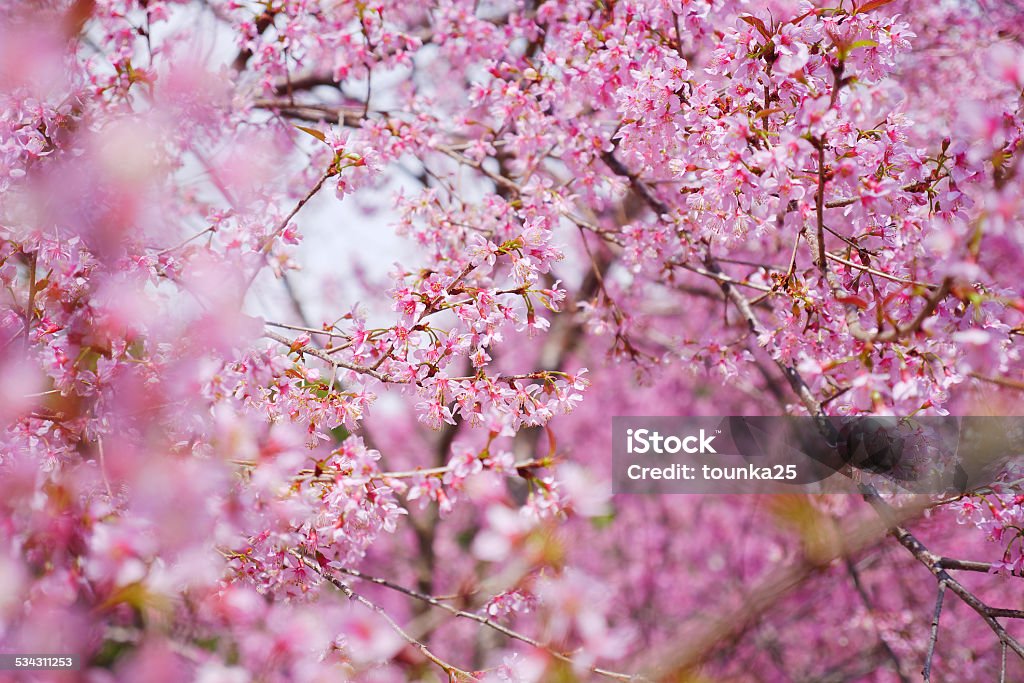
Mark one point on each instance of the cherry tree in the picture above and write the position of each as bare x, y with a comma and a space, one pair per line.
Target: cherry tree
231, 454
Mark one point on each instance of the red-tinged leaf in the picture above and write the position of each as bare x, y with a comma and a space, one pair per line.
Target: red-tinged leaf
852, 299
79, 13
803, 16
767, 112
758, 24
871, 5
314, 132
299, 343
552, 442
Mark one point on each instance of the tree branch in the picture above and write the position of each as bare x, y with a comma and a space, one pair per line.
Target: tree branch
485, 621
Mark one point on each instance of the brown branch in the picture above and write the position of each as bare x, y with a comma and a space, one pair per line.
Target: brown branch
933, 564
315, 113
638, 185
964, 565
819, 205
1004, 382
898, 332
307, 82
264, 21
866, 600
498, 179
926, 673
796, 382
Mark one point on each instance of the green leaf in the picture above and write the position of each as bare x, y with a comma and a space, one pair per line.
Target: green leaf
863, 43
109, 652
603, 521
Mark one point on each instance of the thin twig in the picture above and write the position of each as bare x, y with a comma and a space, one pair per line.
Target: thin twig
103, 466
879, 273
819, 206
719, 276
486, 621
322, 355
927, 671
269, 239
454, 672
900, 331
865, 598
435, 471
302, 328
184, 242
